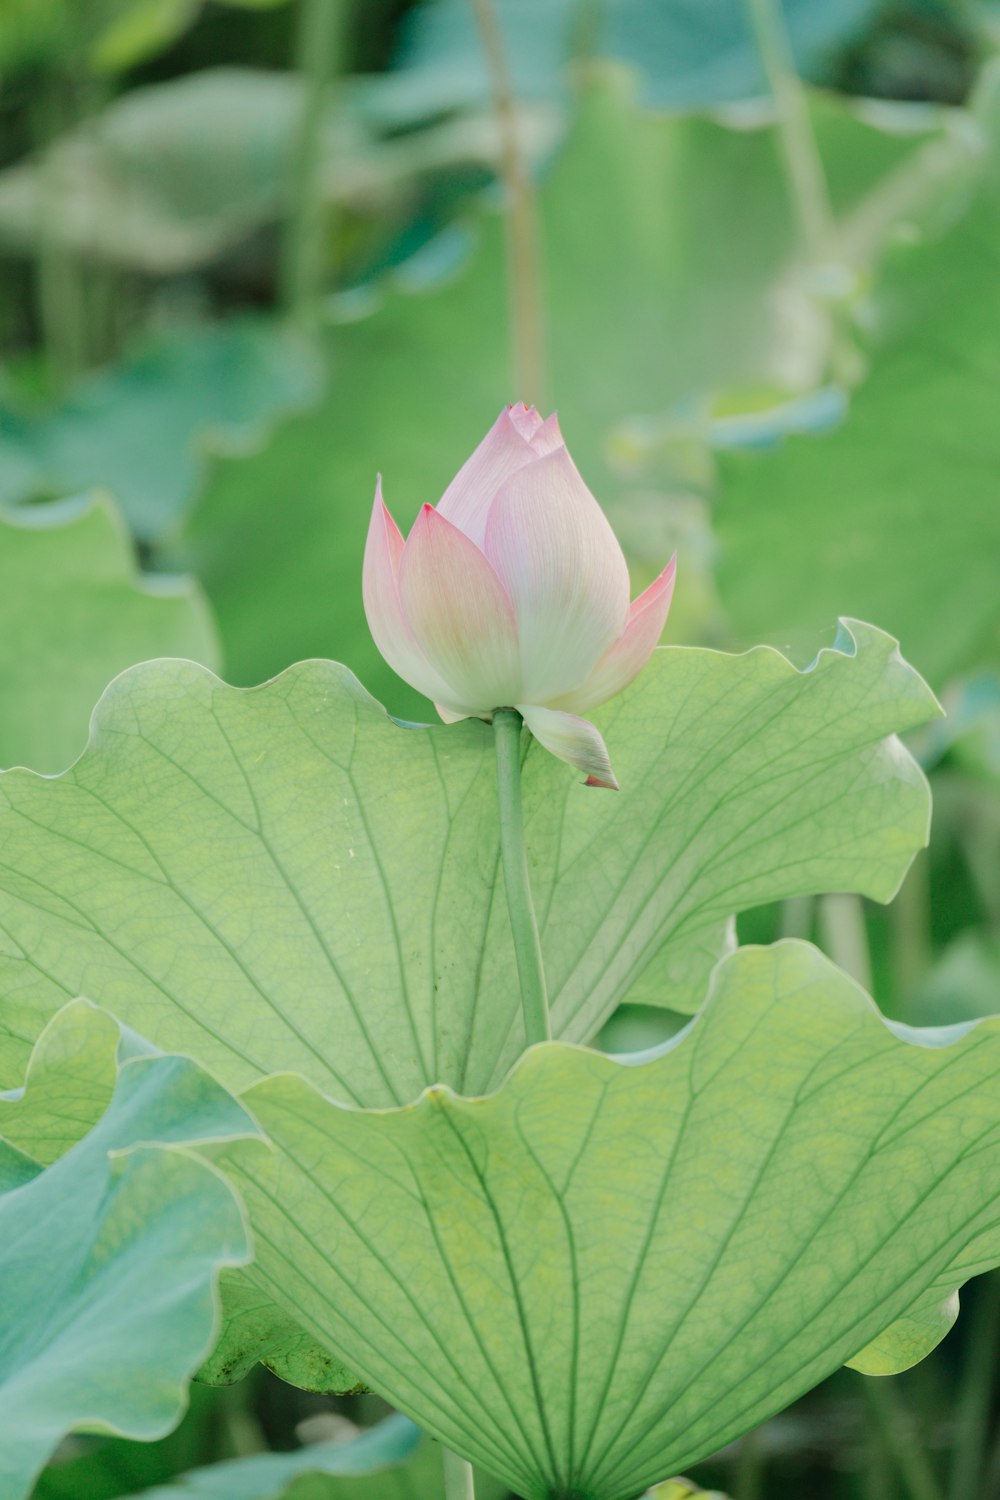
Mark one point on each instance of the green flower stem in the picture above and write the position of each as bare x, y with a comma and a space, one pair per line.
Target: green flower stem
318, 43
524, 927
524, 294
458, 1481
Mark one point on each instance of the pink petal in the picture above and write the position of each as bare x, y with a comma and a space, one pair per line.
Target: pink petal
505, 449
386, 620
633, 648
561, 564
461, 616
525, 419
547, 437
573, 740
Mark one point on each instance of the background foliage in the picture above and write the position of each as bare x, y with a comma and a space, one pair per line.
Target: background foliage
249, 261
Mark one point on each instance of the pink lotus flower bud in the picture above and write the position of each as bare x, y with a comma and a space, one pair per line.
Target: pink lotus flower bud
514, 593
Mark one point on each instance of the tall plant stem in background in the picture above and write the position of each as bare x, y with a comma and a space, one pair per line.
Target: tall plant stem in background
843, 935
975, 1396
524, 927
61, 297
910, 916
748, 1477
319, 39
458, 1480
909, 1458
802, 158
524, 289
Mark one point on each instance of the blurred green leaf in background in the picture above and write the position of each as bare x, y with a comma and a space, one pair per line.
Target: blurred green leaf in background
808, 415
74, 612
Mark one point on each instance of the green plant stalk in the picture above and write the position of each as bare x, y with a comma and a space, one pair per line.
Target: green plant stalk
517, 883
910, 918
795, 920
318, 44
804, 168
908, 1457
748, 1477
459, 1483
843, 935
524, 282
802, 158
975, 1397
991, 1477
61, 304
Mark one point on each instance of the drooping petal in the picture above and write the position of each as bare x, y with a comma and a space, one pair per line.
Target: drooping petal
571, 739
386, 619
505, 449
562, 566
461, 616
630, 652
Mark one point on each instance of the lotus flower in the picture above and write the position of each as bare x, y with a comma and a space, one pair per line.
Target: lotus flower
514, 593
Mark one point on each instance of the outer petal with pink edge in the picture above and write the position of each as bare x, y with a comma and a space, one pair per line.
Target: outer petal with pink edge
386, 620
561, 564
461, 616
571, 739
633, 648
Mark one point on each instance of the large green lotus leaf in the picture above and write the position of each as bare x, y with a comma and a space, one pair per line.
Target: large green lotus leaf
108, 1257
271, 1476
16, 1167
604, 1272
692, 306
70, 1080
888, 511
74, 612
142, 428
254, 1331
284, 877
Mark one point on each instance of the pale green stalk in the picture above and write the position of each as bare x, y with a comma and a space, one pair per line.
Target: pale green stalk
803, 165
523, 924
908, 1456
458, 1480
795, 920
975, 1396
910, 916
748, 1481
320, 28
61, 302
798, 142
524, 282
843, 935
